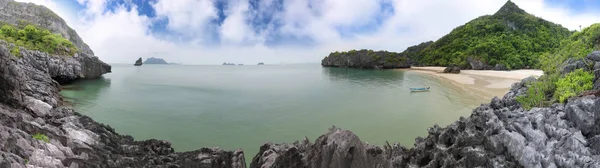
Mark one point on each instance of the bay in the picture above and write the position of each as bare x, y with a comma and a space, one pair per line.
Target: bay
245, 106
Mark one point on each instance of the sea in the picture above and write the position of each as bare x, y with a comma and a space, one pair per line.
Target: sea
231, 107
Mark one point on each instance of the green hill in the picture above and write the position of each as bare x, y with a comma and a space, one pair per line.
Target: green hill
511, 37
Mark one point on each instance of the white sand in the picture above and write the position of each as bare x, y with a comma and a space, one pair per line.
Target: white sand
484, 83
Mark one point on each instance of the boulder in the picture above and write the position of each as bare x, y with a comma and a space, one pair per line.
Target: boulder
500, 67
573, 64
477, 64
452, 69
594, 56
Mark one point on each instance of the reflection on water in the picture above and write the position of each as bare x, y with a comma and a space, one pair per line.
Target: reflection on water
85, 91
363, 77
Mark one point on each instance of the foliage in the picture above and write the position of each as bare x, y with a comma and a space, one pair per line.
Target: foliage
538, 92
515, 39
34, 38
552, 85
41, 137
573, 84
16, 52
577, 46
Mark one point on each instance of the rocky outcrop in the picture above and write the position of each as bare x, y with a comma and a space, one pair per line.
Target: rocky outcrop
366, 59
477, 64
595, 56
138, 62
500, 67
30, 104
64, 69
498, 134
573, 64
452, 69
17, 13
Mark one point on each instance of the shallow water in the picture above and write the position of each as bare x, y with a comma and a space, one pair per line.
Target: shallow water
246, 106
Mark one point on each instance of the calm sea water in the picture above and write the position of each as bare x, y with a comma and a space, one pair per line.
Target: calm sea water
246, 106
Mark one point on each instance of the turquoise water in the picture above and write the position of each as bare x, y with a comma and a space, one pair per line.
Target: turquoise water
246, 106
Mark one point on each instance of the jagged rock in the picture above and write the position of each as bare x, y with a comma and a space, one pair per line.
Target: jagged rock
594, 56
477, 64
138, 62
30, 104
597, 76
366, 59
452, 69
500, 67
573, 64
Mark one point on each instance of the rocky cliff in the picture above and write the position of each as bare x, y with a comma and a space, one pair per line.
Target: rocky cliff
366, 59
30, 105
17, 13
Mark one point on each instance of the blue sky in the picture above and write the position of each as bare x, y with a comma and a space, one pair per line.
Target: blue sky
280, 31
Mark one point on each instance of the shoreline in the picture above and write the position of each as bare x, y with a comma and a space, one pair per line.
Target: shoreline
485, 84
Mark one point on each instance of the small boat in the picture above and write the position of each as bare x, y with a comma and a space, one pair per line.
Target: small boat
419, 89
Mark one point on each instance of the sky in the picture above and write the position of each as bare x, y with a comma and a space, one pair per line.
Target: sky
206, 32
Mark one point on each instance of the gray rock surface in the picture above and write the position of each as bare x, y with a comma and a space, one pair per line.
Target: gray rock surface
452, 69
594, 56
573, 64
15, 13
30, 104
477, 64
500, 67
63, 69
366, 59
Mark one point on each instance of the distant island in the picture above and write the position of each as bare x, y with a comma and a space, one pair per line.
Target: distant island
153, 60
228, 63
138, 62
260, 63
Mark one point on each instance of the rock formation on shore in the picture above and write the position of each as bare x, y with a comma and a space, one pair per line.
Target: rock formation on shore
366, 59
138, 62
452, 69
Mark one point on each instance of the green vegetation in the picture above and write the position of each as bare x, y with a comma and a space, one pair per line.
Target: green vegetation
41, 137
511, 37
552, 85
573, 84
34, 38
538, 91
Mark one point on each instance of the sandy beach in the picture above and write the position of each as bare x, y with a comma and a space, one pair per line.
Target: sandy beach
482, 83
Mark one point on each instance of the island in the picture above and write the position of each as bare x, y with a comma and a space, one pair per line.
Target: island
138, 62
153, 60
366, 59
260, 63
227, 63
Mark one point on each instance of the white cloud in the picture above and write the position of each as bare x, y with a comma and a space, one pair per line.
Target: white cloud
122, 35
186, 16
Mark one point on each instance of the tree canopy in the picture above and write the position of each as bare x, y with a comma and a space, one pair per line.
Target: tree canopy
34, 38
511, 37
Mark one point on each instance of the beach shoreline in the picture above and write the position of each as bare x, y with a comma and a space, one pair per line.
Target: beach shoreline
481, 83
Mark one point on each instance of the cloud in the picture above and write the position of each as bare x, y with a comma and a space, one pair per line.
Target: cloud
274, 31
186, 16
